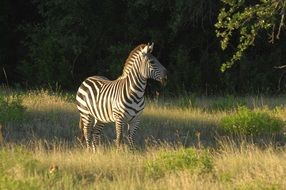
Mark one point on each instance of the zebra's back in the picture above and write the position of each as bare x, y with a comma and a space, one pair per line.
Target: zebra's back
95, 98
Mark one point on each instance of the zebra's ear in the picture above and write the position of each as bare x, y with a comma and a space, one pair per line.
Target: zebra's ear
150, 49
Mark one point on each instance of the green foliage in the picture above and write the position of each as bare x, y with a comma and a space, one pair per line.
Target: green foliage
187, 101
183, 159
226, 103
60, 43
119, 50
248, 19
184, 71
11, 109
72, 41
55, 44
248, 122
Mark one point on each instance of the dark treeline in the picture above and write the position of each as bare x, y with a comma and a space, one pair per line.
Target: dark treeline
61, 42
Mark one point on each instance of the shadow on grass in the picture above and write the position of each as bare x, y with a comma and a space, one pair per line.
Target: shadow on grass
46, 125
186, 132
62, 126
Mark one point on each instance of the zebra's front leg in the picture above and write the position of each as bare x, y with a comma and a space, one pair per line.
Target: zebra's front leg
119, 133
96, 134
85, 124
87, 132
132, 127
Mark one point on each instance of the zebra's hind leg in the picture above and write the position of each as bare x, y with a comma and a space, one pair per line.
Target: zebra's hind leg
96, 134
132, 127
86, 122
82, 139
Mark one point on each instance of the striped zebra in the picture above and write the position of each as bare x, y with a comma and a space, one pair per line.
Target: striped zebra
101, 101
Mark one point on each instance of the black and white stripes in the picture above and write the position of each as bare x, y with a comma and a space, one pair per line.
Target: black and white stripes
101, 101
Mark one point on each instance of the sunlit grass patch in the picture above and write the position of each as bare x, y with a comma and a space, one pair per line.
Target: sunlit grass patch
247, 166
249, 122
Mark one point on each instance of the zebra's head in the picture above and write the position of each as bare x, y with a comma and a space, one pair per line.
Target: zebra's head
151, 67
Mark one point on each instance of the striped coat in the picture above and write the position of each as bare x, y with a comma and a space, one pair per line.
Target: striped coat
101, 101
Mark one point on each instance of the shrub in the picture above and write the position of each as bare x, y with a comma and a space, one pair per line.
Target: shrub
184, 159
11, 109
226, 103
248, 122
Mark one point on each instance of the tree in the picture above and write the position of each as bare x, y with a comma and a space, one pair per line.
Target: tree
246, 19
54, 43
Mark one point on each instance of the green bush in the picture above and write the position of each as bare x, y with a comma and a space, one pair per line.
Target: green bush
11, 109
183, 159
227, 103
248, 122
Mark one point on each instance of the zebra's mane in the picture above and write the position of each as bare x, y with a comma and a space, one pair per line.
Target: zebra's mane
128, 63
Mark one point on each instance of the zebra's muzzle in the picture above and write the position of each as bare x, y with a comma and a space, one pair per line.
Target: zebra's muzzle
163, 78
163, 81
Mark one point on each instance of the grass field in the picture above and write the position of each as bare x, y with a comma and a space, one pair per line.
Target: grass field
179, 146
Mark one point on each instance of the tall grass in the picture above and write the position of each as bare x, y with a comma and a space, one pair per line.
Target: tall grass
232, 167
179, 147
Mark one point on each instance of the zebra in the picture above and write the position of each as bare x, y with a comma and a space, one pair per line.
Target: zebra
101, 101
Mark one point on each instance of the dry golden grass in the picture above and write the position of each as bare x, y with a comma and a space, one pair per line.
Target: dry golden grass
54, 159
243, 167
1, 135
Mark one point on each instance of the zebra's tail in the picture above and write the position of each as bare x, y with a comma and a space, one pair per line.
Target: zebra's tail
82, 139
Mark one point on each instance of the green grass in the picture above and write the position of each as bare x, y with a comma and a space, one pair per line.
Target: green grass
11, 109
189, 159
248, 122
181, 145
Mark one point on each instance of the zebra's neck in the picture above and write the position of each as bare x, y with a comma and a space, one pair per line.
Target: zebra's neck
135, 82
